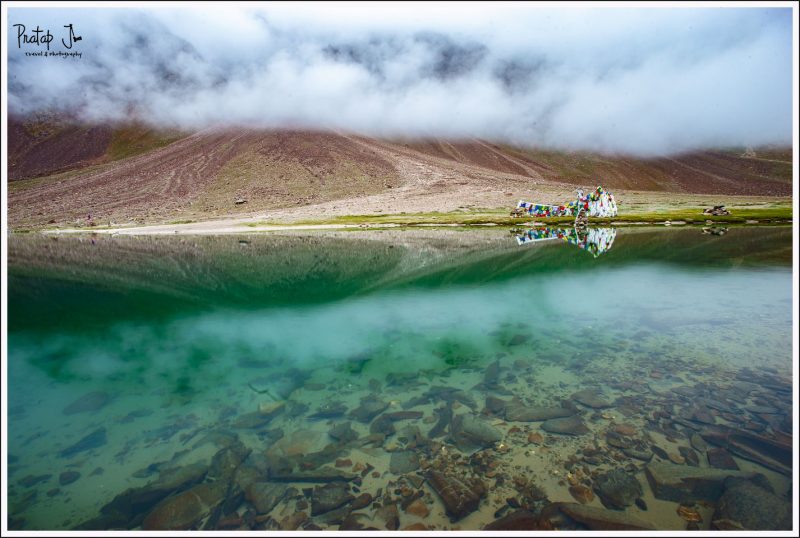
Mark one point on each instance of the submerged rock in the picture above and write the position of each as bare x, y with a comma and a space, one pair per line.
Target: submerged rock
32, 480
617, 489
581, 493
625, 429
678, 483
591, 398
491, 374
535, 438
382, 425
390, 516
95, 439
265, 495
329, 497
676, 458
127, 509
598, 519
702, 415
227, 460
186, 510
352, 522
418, 508
721, 459
319, 475
469, 432
460, 496
293, 521
566, 426
151, 469
753, 507
370, 407
518, 520
271, 409
518, 339
362, 501
517, 412
250, 421
298, 443
93, 401
403, 462
495, 405
770, 453
689, 514
618, 441
689, 455
343, 432
444, 417
329, 410
660, 452
68, 477
404, 415
639, 451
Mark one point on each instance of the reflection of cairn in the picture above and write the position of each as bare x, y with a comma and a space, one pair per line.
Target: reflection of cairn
717, 210
582, 219
715, 231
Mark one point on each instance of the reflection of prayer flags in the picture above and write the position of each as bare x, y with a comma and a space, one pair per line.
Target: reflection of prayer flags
595, 240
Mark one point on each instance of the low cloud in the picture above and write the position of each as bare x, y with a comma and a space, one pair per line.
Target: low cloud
646, 82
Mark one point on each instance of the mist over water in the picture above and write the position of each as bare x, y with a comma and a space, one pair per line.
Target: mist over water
402, 325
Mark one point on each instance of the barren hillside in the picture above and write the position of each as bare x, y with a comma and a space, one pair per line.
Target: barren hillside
60, 173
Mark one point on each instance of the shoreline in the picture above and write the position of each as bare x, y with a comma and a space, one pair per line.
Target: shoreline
176, 230
246, 225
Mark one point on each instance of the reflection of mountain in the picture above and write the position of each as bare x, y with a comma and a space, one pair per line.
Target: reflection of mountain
594, 240
157, 276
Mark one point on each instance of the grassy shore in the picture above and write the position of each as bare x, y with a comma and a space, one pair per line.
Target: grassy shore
761, 215
645, 212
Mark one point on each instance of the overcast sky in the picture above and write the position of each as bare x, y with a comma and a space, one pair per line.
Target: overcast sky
643, 81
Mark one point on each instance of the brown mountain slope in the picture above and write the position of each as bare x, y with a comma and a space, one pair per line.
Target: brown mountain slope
48, 144
709, 171
201, 175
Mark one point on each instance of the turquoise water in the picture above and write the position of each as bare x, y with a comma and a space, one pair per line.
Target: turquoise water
130, 357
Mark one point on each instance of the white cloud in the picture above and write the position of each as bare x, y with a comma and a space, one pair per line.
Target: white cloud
644, 81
